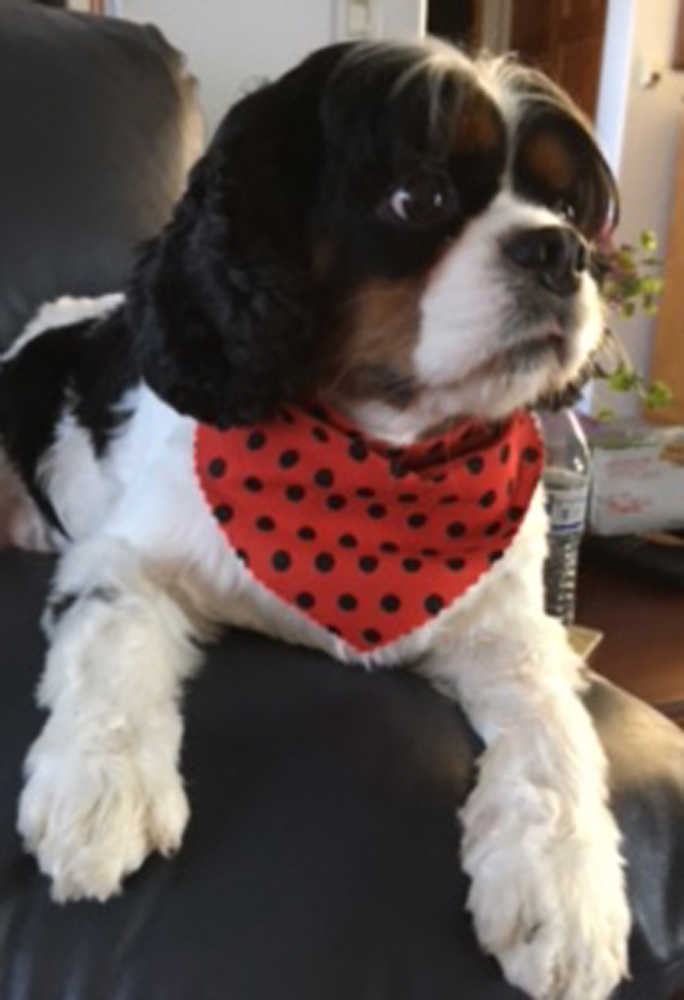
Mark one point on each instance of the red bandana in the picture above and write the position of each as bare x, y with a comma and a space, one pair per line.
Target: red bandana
367, 540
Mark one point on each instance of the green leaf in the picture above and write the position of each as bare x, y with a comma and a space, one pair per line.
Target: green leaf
651, 285
623, 379
625, 260
658, 395
648, 241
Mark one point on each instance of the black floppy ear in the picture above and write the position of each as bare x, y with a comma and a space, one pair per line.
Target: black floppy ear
221, 302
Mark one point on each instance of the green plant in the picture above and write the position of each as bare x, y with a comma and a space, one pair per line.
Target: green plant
631, 281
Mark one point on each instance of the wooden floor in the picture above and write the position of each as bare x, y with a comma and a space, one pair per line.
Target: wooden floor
643, 625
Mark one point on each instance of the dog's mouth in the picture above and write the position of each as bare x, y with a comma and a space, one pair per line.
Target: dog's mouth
532, 352
549, 348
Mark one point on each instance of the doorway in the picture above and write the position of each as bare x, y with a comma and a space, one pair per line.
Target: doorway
564, 38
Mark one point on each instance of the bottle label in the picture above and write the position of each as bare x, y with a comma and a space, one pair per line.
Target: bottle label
566, 509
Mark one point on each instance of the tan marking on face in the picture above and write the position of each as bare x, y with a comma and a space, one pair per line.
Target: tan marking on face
550, 160
377, 336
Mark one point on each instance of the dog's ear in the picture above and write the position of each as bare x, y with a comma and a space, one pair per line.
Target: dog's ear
222, 302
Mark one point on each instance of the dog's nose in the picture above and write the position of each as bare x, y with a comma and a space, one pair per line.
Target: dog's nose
555, 253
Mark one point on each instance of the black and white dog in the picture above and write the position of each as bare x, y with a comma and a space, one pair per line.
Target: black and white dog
309, 415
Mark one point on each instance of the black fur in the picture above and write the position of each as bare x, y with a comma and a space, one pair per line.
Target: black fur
82, 369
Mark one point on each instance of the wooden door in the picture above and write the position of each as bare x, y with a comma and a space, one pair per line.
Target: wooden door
564, 38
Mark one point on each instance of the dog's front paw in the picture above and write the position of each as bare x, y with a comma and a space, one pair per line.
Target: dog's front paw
91, 814
548, 901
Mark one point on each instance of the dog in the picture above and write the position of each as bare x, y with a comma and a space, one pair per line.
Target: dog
310, 414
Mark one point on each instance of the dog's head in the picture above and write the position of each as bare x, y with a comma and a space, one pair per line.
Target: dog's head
394, 228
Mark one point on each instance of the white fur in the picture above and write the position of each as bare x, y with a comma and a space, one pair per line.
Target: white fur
148, 570
62, 312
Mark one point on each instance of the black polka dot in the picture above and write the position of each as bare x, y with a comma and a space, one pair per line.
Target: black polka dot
287, 416
346, 602
336, 502
411, 565
365, 492
320, 434
242, 556
505, 453
416, 520
397, 469
306, 533
318, 412
377, 510
334, 629
324, 562
515, 514
531, 455
324, 477
449, 498
456, 529
289, 458
407, 498
256, 440
494, 556
487, 499
347, 541
434, 604
475, 464
265, 523
358, 450
368, 564
372, 635
223, 513
428, 553
493, 529
455, 564
439, 478
253, 484
295, 493
305, 599
388, 547
216, 468
281, 560
390, 603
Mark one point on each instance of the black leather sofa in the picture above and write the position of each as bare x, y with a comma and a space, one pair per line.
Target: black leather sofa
321, 860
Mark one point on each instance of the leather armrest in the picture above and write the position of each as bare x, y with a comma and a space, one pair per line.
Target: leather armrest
321, 859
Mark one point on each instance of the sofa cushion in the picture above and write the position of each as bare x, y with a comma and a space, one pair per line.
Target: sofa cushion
100, 125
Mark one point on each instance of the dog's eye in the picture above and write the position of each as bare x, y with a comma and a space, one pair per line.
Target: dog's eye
420, 201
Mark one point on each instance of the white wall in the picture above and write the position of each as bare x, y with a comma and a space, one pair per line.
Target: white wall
649, 146
231, 44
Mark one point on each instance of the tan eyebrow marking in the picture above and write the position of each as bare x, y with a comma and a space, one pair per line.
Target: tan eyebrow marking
550, 161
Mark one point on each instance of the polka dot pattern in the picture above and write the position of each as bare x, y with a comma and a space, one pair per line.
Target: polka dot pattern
368, 542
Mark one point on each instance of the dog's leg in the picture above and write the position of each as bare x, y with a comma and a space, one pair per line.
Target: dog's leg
102, 783
539, 841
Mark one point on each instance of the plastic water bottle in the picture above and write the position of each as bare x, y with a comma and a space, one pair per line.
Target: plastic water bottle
566, 482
